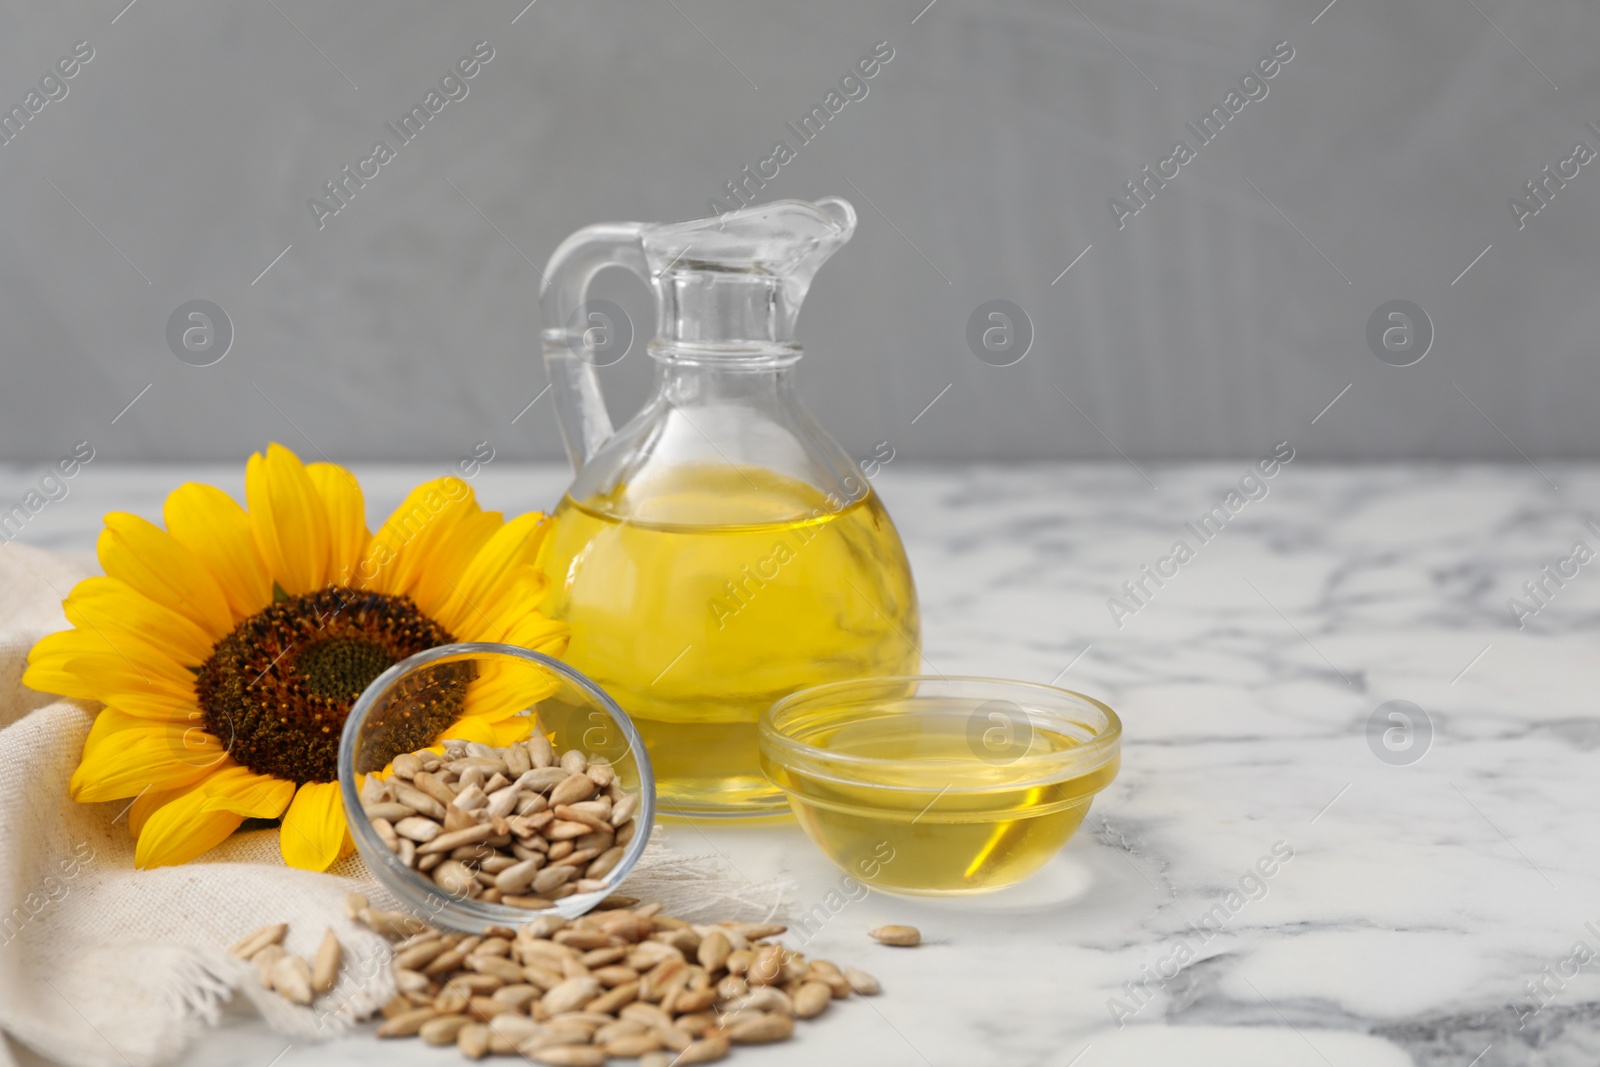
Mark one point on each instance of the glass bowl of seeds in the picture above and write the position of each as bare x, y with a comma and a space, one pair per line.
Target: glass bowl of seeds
486, 784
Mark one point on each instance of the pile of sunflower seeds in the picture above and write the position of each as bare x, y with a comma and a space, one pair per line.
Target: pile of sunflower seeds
297, 980
623, 981
515, 825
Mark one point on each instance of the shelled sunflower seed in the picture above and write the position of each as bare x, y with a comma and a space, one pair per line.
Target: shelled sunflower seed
297, 980
623, 981
517, 825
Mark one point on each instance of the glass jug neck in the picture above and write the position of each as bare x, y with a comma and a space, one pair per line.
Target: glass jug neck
724, 316
746, 381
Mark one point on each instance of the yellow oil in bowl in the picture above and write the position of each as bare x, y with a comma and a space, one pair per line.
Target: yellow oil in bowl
940, 785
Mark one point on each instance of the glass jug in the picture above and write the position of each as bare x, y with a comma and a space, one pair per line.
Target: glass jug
720, 550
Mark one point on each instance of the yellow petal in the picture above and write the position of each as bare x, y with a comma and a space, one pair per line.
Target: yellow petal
510, 731
154, 706
449, 556
478, 591
146, 803
111, 606
210, 524
289, 520
243, 792
112, 721
181, 829
518, 594
314, 827
504, 687
149, 756
89, 665
152, 561
540, 634
403, 546
90, 679
470, 729
347, 519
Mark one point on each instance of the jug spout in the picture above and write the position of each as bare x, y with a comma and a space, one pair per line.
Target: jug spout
727, 293
739, 279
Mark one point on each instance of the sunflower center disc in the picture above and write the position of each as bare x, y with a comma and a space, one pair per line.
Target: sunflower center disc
276, 691
342, 666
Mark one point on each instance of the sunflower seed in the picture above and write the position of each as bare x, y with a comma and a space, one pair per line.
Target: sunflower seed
562, 830
572, 993
455, 878
572, 761
903, 936
354, 904
632, 1045
443, 1029
406, 765
566, 1055
767, 965
551, 878
759, 1029
417, 829
471, 798
418, 801
325, 971
291, 979
591, 813
265, 960
756, 931
374, 789
385, 831
811, 998
706, 1050
862, 982
762, 998
714, 951
503, 969
503, 801
253, 942
431, 785
624, 809
542, 779
448, 842
605, 863
540, 750
473, 1041
406, 1024
518, 761
392, 923
392, 810
615, 998
518, 877
573, 788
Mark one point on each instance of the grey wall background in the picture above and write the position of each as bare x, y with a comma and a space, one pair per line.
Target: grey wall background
1224, 317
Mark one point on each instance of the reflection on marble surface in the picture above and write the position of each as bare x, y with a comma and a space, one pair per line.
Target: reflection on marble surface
1425, 910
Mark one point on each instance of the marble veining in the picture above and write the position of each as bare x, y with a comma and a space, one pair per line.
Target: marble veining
1431, 911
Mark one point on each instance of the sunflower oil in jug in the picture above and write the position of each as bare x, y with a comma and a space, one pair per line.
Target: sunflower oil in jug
719, 551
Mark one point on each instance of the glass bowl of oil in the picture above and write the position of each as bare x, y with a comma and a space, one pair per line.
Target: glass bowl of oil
940, 785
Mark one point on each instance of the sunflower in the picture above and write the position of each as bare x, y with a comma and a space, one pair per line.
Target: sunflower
229, 647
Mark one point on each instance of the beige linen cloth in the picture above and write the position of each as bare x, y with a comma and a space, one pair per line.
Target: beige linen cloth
102, 965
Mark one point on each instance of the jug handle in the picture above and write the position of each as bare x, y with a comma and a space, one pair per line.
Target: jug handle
568, 350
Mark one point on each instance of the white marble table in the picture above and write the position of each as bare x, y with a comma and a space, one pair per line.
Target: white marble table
1422, 899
